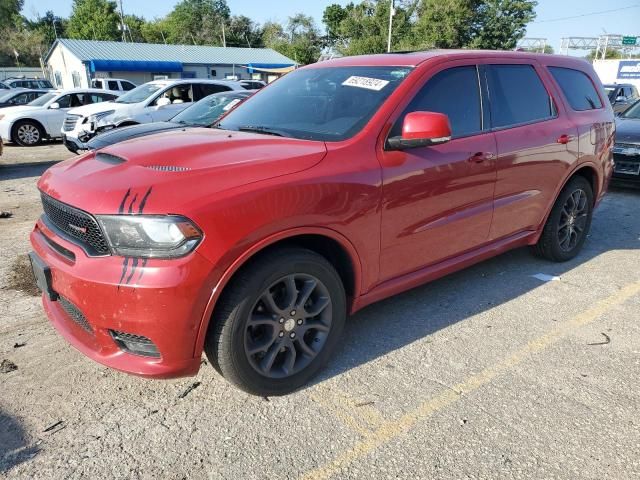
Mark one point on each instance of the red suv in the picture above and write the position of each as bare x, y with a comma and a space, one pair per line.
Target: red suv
340, 184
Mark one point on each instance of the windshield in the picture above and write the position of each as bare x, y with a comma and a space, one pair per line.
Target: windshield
632, 112
140, 93
38, 102
209, 109
329, 104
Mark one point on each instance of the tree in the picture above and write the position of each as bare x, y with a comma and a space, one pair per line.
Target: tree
499, 24
50, 26
94, 20
610, 55
299, 39
444, 23
241, 31
9, 10
197, 21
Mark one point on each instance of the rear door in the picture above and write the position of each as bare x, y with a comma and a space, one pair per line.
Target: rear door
536, 142
438, 200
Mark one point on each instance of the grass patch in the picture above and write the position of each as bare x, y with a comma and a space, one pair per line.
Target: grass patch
21, 277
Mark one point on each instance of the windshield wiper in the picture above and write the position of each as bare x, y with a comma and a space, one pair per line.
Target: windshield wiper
261, 129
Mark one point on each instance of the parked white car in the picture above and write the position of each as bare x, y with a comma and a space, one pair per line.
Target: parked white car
156, 101
117, 84
28, 125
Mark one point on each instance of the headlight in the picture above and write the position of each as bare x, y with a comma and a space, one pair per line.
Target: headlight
99, 116
149, 236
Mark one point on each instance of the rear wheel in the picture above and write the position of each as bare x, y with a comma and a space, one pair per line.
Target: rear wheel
27, 133
277, 323
569, 222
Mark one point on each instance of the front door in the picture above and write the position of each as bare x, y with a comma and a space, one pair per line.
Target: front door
438, 200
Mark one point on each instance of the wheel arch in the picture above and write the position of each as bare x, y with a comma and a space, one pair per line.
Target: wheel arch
17, 122
336, 248
586, 170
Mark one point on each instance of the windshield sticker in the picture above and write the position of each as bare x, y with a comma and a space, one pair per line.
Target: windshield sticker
231, 104
366, 82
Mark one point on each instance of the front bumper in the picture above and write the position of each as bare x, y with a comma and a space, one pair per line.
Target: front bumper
73, 144
626, 169
162, 300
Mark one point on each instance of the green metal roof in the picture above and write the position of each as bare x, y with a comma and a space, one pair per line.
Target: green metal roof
87, 50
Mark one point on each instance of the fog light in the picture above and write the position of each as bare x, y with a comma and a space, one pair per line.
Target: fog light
135, 344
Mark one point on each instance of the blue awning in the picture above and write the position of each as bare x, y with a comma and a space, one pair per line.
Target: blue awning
134, 66
267, 66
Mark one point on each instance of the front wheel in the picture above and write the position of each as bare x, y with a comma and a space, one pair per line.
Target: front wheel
278, 322
27, 133
569, 222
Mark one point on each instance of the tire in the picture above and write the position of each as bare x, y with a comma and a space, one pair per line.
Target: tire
27, 133
251, 341
568, 224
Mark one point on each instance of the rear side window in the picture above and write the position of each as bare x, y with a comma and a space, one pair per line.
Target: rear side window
517, 96
127, 85
205, 89
454, 92
577, 88
113, 85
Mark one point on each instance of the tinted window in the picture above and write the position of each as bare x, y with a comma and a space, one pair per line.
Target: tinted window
577, 87
113, 85
454, 92
205, 89
22, 99
517, 95
127, 85
101, 97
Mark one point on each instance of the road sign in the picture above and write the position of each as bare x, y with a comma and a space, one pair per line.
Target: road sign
629, 40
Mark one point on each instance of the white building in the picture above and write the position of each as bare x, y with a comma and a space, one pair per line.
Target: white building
73, 63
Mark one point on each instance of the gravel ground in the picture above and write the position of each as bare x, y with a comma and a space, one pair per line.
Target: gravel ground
488, 373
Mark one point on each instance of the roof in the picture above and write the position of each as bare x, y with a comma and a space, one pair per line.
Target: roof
88, 50
412, 59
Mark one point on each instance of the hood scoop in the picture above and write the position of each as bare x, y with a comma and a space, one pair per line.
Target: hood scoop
110, 159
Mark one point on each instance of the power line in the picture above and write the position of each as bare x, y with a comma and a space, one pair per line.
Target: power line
588, 14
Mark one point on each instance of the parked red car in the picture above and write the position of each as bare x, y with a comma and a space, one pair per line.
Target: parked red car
342, 183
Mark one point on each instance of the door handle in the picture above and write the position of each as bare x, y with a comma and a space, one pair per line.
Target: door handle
564, 139
480, 157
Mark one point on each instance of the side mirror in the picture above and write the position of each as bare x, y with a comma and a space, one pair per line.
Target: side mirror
421, 129
54, 106
163, 102
621, 99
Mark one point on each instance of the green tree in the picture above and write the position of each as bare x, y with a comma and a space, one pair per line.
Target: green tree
50, 26
299, 39
94, 20
9, 10
499, 24
197, 21
241, 31
444, 23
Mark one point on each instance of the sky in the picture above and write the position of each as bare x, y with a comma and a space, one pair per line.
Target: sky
551, 21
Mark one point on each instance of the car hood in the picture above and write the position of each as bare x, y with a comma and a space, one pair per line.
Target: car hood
92, 108
627, 130
175, 172
116, 135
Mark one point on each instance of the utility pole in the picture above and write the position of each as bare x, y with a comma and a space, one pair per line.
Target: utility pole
391, 14
122, 25
224, 40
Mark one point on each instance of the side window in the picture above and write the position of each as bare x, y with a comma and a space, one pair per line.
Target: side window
75, 76
205, 89
113, 85
97, 84
627, 92
577, 88
65, 101
101, 97
178, 94
517, 95
127, 85
21, 99
454, 92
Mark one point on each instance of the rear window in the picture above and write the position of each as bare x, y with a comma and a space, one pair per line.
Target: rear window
517, 95
577, 88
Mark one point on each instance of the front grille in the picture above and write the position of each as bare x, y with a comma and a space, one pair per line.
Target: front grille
75, 314
70, 122
78, 224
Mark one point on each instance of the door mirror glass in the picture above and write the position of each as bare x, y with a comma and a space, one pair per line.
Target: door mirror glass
54, 106
620, 99
421, 129
162, 102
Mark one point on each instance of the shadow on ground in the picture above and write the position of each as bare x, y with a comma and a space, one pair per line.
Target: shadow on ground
401, 320
16, 171
15, 447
